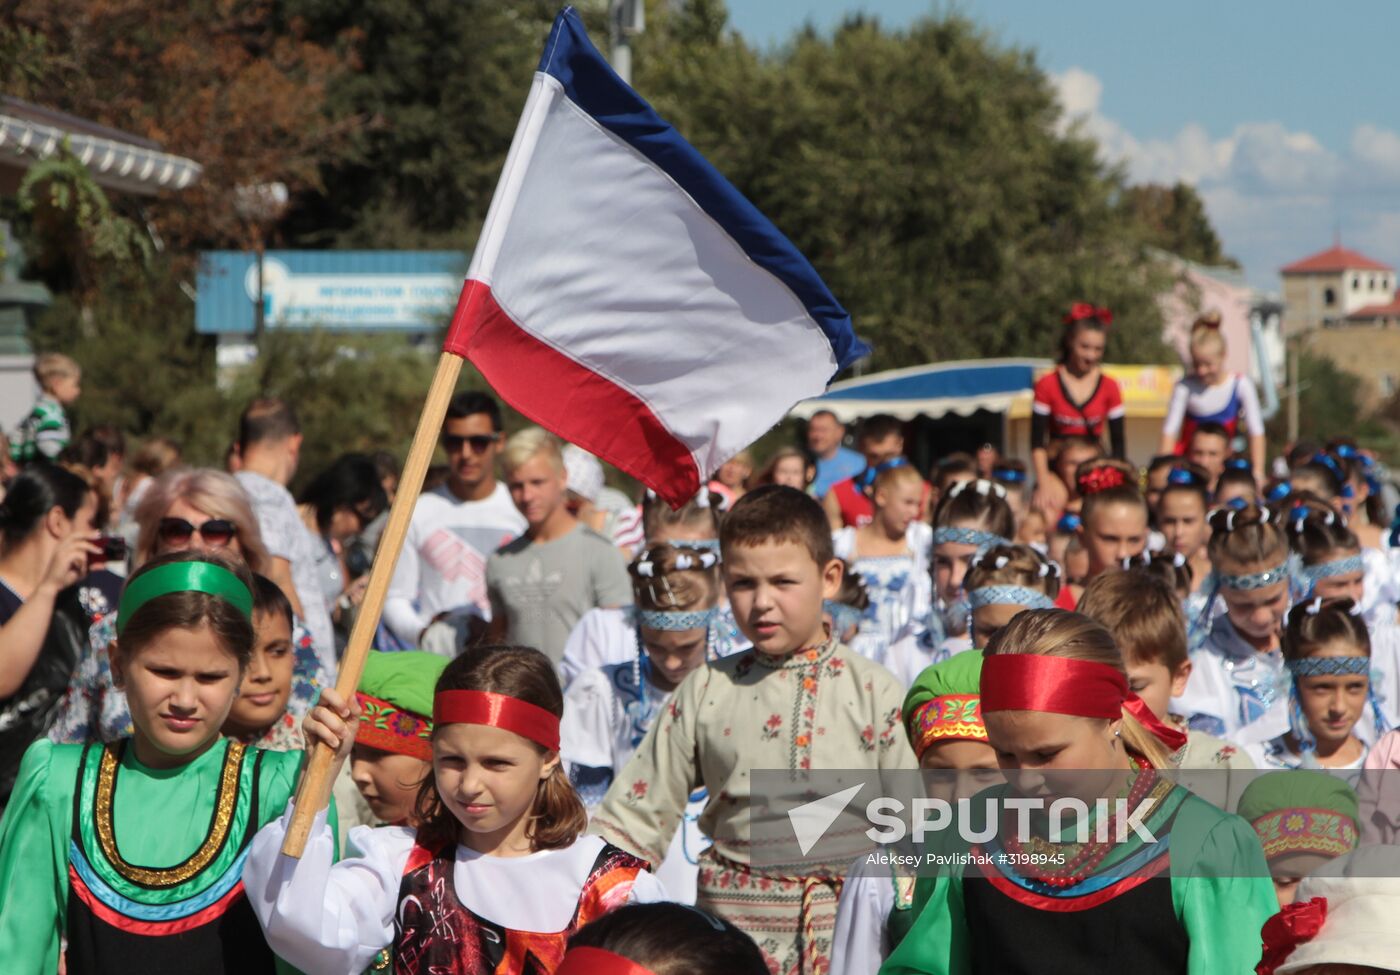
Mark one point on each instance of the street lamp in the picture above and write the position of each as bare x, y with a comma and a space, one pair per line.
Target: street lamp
262, 205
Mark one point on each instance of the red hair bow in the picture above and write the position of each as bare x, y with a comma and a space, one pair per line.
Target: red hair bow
1286, 930
1101, 479
1082, 311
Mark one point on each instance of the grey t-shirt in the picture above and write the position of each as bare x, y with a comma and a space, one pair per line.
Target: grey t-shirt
545, 587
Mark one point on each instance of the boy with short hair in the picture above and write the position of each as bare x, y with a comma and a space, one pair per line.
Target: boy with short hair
798, 700
1145, 617
542, 583
45, 432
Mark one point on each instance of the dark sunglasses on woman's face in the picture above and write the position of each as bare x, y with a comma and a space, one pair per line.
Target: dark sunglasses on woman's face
215, 531
479, 442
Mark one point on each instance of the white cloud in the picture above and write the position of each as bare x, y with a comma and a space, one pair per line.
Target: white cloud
1274, 194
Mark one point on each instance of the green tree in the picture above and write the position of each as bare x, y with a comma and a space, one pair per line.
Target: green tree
1174, 219
439, 85
1328, 405
921, 172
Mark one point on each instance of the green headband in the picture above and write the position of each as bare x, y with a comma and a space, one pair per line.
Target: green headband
183, 577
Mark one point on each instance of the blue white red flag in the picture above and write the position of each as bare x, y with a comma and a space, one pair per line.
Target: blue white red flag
625, 296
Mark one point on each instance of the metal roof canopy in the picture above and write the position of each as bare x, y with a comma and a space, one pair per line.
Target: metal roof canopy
962, 388
117, 160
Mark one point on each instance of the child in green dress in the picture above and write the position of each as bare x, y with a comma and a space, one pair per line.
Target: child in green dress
133, 850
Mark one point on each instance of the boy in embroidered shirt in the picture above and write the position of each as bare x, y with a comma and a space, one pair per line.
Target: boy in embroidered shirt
798, 700
45, 431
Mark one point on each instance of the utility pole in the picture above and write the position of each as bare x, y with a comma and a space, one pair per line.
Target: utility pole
626, 18
1296, 353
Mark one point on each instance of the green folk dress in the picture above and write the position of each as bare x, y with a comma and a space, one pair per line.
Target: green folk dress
1192, 903
139, 869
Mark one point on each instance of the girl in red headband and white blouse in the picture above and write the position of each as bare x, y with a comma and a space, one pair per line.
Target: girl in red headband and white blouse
1106, 899
497, 876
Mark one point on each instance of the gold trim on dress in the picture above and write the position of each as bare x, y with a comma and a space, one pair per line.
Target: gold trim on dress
218, 828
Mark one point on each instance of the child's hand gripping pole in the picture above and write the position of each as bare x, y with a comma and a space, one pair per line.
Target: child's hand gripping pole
315, 790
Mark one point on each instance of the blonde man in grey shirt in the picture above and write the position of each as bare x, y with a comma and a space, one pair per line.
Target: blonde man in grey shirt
544, 581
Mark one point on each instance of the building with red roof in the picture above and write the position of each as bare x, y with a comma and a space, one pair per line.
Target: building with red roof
1326, 288
1347, 305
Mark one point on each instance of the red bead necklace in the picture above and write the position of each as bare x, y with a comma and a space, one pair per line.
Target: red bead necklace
1075, 869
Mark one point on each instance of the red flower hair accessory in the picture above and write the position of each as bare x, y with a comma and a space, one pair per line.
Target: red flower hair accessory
1286, 930
1101, 479
1082, 311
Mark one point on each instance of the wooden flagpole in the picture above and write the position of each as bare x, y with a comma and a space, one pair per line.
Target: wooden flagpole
315, 789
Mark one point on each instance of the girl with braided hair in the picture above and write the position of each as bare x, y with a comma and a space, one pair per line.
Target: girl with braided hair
609, 709
1331, 698
971, 518
1238, 686
1001, 582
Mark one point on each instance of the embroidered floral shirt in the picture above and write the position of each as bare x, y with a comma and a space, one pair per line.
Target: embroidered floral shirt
824, 708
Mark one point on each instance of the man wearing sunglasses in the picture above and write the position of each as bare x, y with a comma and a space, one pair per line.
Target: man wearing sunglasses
269, 447
441, 573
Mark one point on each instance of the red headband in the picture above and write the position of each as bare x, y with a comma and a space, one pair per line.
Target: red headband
598, 961
499, 711
1033, 682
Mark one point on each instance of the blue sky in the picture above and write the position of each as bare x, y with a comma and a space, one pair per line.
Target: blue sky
1284, 113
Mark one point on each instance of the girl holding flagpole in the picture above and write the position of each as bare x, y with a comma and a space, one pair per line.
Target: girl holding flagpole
495, 877
1054, 697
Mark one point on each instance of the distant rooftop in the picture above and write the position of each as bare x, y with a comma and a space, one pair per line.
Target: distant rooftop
117, 160
1390, 309
1334, 259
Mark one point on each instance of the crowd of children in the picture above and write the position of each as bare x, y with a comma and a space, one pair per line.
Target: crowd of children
1217, 641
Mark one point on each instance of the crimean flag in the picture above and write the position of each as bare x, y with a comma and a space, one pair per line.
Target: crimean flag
625, 296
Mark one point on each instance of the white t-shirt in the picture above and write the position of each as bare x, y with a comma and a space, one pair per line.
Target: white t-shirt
1191, 397
443, 563
287, 537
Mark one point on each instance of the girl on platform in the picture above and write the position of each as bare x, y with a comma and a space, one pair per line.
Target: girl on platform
1238, 686
1208, 394
175, 798
1075, 399
608, 710
495, 878
1054, 696
1328, 655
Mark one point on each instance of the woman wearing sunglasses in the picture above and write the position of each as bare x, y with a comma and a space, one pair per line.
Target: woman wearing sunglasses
197, 509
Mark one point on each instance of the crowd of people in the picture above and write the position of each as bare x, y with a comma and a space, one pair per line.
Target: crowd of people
549, 765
